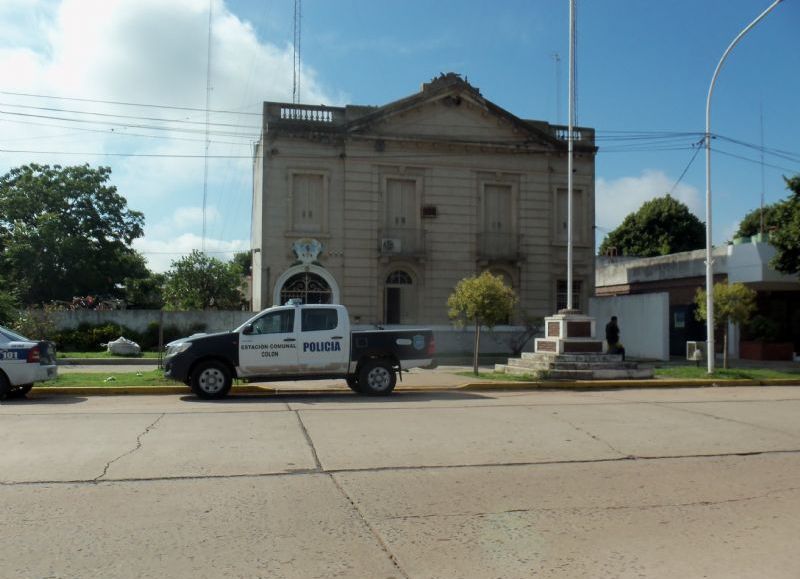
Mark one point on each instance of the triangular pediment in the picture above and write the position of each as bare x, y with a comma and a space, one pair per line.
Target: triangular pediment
451, 112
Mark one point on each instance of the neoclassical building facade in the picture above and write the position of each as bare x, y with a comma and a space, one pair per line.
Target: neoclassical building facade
385, 208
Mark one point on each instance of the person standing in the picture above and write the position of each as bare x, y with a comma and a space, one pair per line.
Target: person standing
612, 337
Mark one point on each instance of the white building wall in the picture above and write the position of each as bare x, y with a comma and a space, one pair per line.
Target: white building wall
643, 321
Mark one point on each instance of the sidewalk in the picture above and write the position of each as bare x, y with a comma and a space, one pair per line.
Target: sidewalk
414, 380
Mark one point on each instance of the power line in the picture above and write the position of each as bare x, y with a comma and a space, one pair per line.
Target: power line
127, 104
115, 124
117, 116
114, 133
158, 155
756, 161
697, 149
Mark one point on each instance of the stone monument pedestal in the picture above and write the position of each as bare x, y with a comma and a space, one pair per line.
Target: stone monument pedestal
569, 332
570, 351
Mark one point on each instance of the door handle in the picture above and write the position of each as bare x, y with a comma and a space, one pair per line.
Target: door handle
289, 340
336, 338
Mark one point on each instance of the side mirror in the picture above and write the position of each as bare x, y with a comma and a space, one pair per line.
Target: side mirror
247, 330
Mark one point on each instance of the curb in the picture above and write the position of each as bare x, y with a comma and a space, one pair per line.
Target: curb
624, 384
468, 387
165, 390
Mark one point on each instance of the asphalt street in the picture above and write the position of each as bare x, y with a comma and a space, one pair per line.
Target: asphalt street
616, 483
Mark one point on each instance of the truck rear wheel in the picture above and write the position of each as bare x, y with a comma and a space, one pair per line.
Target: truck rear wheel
376, 378
211, 380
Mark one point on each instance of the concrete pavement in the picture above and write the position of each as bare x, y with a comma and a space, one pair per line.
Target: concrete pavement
623, 483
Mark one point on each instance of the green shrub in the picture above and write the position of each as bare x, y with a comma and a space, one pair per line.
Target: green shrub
149, 339
88, 338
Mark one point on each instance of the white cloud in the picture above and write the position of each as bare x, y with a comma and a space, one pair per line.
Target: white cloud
616, 198
160, 253
187, 219
153, 52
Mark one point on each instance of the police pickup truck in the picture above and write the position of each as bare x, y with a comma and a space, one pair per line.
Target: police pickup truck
23, 362
298, 342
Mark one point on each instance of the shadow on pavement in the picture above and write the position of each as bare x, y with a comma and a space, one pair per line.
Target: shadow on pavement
43, 398
340, 396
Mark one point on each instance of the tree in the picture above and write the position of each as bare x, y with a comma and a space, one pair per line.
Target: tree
751, 223
9, 306
145, 293
661, 226
200, 282
786, 236
484, 300
65, 232
734, 303
244, 259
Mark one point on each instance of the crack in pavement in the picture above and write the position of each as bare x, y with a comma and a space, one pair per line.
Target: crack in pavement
646, 507
308, 440
392, 557
593, 437
376, 469
370, 527
134, 449
676, 406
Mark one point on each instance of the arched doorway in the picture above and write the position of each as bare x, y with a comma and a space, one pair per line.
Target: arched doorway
308, 287
306, 282
399, 298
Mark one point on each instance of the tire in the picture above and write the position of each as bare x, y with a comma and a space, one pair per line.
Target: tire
211, 380
5, 386
352, 382
376, 378
20, 391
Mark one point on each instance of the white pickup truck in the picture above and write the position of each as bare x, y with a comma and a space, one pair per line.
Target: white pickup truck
298, 342
23, 362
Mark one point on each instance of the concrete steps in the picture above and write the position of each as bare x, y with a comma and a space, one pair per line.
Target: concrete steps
575, 367
559, 365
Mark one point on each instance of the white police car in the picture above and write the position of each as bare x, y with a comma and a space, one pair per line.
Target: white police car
23, 362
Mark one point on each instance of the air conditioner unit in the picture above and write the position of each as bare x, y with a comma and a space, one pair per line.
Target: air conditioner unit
696, 351
390, 245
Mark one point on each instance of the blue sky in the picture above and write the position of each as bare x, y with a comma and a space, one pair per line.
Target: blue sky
643, 73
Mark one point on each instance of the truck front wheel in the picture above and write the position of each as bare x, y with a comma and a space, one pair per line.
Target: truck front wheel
5, 386
211, 380
352, 382
376, 378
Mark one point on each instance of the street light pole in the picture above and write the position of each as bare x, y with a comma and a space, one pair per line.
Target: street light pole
709, 260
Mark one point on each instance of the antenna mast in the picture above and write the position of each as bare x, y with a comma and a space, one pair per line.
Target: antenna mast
298, 16
208, 112
557, 60
761, 110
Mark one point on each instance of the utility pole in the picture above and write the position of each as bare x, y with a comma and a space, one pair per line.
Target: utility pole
570, 146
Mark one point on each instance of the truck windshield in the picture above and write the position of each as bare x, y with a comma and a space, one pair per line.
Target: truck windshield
12, 336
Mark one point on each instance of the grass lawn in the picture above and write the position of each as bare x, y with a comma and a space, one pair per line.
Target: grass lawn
695, 373
104, 354
75, 379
